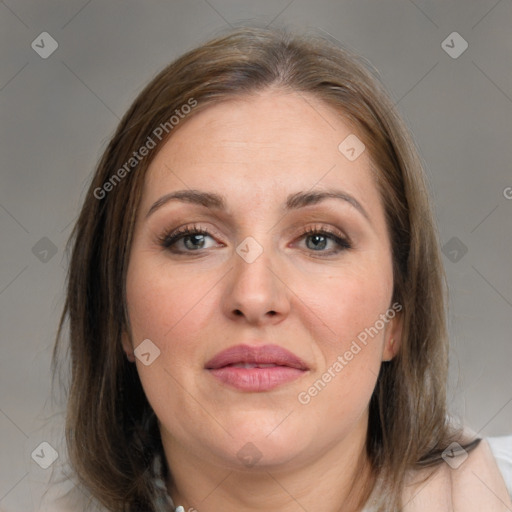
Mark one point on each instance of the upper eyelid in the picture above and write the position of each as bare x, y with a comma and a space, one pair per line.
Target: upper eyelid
189, 229
296, 226
326, 217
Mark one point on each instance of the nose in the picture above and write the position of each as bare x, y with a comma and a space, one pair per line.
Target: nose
256, 292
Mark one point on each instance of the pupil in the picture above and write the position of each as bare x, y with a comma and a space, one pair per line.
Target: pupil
316, 238
194, 241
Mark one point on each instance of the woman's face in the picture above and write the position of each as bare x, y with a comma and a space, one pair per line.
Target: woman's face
258, 283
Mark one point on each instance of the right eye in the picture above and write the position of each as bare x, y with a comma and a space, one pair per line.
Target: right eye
193, 239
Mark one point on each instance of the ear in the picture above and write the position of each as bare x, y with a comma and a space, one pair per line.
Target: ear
127, 347
393, 337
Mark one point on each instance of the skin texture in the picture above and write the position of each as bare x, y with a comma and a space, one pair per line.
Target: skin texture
256, 151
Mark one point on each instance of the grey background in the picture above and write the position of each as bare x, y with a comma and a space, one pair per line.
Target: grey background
58, 114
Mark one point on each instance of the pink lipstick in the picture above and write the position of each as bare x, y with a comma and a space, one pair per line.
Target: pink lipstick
256, 368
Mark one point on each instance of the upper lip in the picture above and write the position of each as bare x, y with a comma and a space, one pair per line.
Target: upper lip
265, 354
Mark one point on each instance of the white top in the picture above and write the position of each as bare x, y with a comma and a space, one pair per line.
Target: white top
501, 448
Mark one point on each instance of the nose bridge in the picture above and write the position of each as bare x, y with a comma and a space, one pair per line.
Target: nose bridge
254, 262
255, 287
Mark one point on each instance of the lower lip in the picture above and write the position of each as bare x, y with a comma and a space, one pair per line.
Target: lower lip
256, 379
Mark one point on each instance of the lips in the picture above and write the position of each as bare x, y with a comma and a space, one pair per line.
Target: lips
257, 369
245, 356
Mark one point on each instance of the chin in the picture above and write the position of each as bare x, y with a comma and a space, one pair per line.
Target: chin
264, 444
264, 455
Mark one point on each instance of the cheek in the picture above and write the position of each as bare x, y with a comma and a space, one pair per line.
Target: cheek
351, 306
174, 312
165, 308
351, 303
161, 303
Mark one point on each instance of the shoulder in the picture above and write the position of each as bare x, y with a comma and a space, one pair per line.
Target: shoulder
466, 482
478, 483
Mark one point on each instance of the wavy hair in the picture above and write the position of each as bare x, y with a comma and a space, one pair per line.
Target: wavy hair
111, 431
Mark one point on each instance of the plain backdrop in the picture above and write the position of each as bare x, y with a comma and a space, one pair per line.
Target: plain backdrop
58, 112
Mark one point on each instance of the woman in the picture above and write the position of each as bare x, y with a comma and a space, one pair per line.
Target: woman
256, 298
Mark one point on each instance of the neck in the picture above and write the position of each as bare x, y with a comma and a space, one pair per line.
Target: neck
339, 479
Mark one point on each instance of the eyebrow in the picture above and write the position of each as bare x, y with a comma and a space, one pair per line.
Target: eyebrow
293, 201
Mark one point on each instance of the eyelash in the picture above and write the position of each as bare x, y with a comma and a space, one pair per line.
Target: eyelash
167, 240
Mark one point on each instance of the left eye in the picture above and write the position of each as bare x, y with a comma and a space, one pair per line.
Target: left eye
320, 237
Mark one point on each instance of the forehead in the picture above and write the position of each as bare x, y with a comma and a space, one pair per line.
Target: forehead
265, 145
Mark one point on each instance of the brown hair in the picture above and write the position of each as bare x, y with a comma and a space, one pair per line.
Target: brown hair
107, 410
